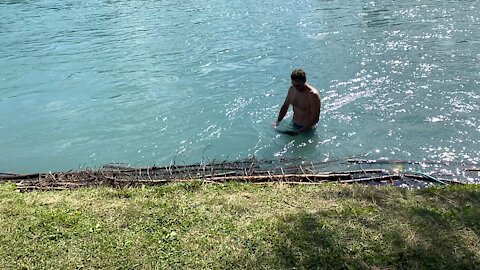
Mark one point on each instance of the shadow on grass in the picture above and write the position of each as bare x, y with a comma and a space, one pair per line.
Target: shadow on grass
305, 242
409, 236
442, 241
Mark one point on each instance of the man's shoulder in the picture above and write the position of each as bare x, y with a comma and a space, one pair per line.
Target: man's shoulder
314, 91
291, 90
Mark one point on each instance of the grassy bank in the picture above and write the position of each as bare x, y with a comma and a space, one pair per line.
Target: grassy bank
241, 226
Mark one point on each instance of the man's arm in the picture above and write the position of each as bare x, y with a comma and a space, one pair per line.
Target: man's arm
314, 113
283, 112
283, 109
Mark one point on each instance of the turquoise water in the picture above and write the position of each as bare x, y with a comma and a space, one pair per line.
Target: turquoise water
85, 83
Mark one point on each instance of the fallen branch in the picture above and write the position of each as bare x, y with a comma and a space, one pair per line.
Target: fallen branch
381, 178
253, 178
291, 183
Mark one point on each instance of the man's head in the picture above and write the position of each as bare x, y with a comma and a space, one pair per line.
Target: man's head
298, 78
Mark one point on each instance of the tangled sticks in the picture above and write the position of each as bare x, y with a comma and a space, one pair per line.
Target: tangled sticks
250, 170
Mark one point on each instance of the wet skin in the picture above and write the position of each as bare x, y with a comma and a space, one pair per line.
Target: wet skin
305, 100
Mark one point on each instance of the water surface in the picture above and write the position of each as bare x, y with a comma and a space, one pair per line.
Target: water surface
85, 83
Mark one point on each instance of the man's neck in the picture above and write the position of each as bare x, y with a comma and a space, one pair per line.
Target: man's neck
305, 88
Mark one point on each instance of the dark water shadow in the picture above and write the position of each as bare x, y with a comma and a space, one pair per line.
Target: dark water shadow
302, 145
14, 2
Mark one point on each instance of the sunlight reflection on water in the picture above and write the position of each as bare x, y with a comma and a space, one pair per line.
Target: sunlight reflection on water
88, 83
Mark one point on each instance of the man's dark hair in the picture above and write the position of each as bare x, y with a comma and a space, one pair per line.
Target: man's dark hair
298, 75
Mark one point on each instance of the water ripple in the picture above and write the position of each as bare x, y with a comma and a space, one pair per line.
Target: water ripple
146, 82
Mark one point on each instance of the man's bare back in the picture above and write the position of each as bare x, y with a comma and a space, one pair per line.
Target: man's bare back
305, 100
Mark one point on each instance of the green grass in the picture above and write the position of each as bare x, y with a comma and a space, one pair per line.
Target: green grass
196, 225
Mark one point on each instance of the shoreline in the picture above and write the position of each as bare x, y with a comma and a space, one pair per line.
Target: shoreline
293, 172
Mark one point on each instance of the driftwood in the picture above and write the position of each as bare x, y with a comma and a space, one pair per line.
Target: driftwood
294, 172
291, 183
255, 178
380, 178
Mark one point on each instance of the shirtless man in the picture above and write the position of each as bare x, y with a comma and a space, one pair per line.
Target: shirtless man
305, 100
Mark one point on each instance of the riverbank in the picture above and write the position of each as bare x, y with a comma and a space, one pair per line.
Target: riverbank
199, 225
293, 172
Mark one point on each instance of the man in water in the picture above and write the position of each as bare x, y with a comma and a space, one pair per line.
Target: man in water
305, 100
